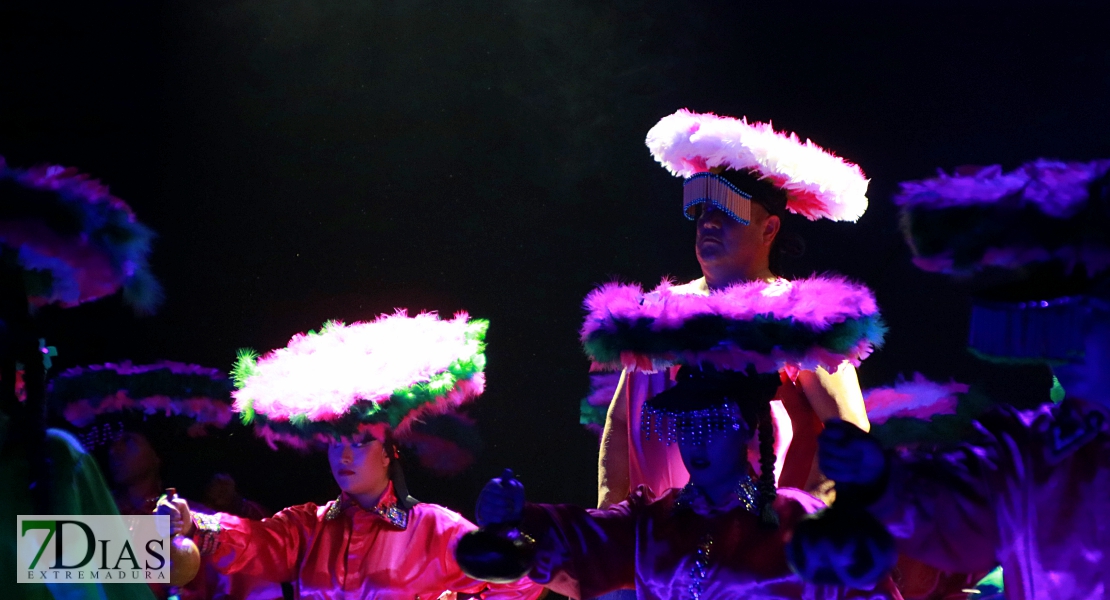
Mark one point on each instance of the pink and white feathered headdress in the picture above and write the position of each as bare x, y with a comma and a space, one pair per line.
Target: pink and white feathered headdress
818, 184
385, 374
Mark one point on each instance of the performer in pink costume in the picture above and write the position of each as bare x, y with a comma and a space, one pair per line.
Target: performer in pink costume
1027, 490
741, 180
360, 390
720, 536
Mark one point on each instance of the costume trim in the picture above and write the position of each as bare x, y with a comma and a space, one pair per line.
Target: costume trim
820, 321
349, 378
167, 388
207, 533
392, 512
1029, 332
74, 241
918, 398
818, 184
746, 493
689, 426
718, 191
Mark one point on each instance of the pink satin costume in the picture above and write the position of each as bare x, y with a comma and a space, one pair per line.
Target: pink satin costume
652, 546
1030, 491
341, 551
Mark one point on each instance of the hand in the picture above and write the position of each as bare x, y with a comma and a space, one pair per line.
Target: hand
847, 454
501, 501
181, 518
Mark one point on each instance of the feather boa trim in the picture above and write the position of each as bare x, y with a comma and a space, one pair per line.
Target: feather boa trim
819, 321
391, 373
924, 412
919, 398
169, 389
978, 218
818, 184
74, 241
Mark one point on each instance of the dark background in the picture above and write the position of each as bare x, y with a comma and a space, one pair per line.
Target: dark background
304, 160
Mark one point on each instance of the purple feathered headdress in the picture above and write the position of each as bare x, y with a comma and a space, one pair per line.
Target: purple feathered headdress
807, 323
100, 398
983, 217
74, 241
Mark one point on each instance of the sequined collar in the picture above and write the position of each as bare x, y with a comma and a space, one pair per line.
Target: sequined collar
386, 509
746, 495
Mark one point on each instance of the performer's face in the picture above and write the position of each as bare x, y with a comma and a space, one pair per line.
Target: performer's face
131, 458
360, 464
720, 460
726, 248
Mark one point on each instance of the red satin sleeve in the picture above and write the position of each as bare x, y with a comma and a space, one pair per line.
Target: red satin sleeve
268, 548
449, 527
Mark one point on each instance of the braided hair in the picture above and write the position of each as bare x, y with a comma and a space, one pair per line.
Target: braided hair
766, 486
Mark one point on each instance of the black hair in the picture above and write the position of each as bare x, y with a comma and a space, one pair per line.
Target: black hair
767, 490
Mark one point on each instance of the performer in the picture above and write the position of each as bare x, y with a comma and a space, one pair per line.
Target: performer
720, 536
741, 180
132, 415
358, 390
64, 240
1023, 491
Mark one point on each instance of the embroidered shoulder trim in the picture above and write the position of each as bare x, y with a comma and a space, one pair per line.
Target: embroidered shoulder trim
397, 517
334, 510
747, 495
208, 532
392, 513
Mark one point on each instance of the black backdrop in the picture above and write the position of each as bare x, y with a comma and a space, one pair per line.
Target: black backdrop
304, 160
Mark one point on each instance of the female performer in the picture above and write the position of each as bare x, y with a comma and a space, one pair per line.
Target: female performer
358, 390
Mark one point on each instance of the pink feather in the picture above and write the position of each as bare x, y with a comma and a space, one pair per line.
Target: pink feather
322, 376
919, 398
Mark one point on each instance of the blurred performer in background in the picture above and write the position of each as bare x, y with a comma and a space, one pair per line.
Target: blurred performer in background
720, 536
1026, 489
64, 241
359, 391
135, 414
740, 181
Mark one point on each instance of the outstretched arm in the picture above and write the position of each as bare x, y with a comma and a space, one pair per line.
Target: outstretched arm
578, 552
266, 549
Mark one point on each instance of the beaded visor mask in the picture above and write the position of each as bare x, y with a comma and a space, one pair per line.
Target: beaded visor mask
693, 427
704, 188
